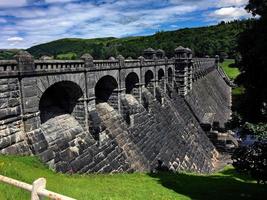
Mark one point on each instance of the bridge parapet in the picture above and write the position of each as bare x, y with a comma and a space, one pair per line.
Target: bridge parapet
8, 65
24, 64
8, 68
41, 65
106, 64
132, 63
202, 66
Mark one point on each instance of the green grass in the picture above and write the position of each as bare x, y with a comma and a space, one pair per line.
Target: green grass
224, 185
238, 91
67, 56
230, 69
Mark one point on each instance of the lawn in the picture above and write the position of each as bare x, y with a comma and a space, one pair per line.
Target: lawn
223, 185
229, 68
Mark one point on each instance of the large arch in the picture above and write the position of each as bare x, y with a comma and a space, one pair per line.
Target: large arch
59, 98
104, 88
130, 82
161, 74
148, 77
170, 75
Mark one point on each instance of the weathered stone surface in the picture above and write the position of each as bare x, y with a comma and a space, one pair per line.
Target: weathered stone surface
125, 132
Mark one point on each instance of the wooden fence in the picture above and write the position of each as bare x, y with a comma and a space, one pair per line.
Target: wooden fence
37, 189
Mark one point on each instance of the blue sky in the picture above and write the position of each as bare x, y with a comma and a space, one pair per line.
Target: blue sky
24, 23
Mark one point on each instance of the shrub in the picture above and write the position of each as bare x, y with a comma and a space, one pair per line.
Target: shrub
252, 160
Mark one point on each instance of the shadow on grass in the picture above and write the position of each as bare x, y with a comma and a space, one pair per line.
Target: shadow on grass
232, 65
223, 186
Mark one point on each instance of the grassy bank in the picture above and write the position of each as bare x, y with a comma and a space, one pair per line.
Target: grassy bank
224, 185
230, 69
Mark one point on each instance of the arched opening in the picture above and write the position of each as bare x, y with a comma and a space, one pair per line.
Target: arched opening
105, 88
148, 77
60, 98
130, 82
160, 74
170, 76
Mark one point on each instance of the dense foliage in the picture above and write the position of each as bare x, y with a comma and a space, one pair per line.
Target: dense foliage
220, 39
7, 54
253, 48
252, 160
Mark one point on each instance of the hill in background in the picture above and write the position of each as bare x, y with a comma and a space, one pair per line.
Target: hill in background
212, 40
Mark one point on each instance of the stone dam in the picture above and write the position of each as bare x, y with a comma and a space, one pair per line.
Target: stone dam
113, 115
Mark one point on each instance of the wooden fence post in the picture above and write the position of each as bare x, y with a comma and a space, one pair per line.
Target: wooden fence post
37, 185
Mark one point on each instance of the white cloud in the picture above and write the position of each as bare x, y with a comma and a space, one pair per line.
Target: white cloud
15, 39
226, 3
2, 20
89, 19
12, 3
229, 13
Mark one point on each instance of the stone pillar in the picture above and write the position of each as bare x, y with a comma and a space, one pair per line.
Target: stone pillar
190, 70
121, 90
154, 84
28, 91
141, 81
140, 86
89, 98
165, 81
217, 61
181, 70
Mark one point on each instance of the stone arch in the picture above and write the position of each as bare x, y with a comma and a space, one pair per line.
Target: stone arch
130, 82
59, 98
44, 82
104, 88
149, 76
110, 73
170, 75
160, 74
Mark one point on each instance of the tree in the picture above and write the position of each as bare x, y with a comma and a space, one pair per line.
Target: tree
252, 45
252, 160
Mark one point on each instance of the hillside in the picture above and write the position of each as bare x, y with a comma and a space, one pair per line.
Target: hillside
7, 54
204, 41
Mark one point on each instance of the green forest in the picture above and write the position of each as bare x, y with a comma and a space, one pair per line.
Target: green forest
219, 39
212, 40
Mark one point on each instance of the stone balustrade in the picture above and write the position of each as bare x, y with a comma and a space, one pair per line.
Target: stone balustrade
58, 64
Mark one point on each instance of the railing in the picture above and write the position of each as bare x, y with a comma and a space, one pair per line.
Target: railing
132, 63
8, 65
149, 62
37, 189
58, 64
106, 64
43, 66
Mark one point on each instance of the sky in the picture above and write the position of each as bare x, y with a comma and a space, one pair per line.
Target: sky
25, 23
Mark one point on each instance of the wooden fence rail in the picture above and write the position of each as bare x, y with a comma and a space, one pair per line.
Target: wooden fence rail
37, 189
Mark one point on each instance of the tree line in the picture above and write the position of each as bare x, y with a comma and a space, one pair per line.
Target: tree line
219, 39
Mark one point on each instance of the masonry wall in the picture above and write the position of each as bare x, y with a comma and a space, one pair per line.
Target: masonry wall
11, 127
148, 129
210, 99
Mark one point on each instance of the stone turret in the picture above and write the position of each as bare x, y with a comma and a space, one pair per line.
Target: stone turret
189, 69
160, 54
25, 61
88, 59
183, 76
149, 53
112, 58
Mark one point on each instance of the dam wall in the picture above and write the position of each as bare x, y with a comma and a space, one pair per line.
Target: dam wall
84, 116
